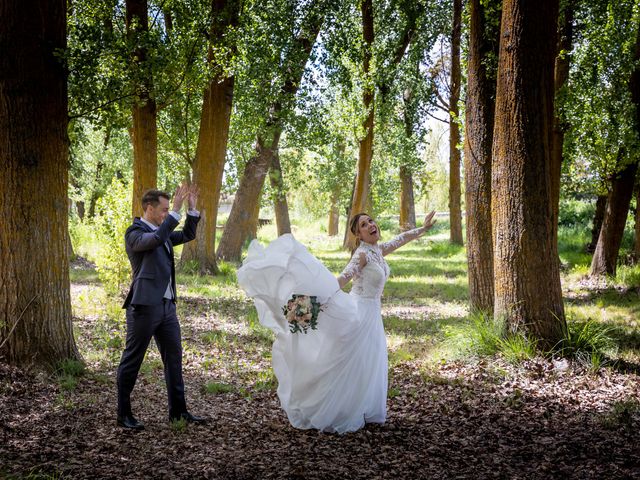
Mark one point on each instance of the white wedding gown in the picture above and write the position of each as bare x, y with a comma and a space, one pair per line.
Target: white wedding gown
334, 378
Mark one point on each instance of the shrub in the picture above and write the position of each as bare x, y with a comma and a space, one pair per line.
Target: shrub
112, 220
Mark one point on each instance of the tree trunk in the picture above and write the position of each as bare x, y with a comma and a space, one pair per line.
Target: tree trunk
407, 202
280, 202
243, 218
636, 236
360, 200
144, 130
598, 218
211, 151
349, 212
334, 213
527, 276
255, 220
455, 209
605, 257
480, 105
80, 208
35, 304
565, 37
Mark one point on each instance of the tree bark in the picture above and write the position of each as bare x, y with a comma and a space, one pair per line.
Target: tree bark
144, 129
636, 237
35, 304
334, 213
407, 202
527, 276
280, 202
361, 195
598, 218
605, 257
565, 38
211, 150
455, 209
243, 218
480, 105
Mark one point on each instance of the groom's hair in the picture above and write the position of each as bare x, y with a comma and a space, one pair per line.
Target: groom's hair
152, 197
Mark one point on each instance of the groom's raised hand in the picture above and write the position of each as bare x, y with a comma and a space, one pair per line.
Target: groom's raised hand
194, 191
182, 192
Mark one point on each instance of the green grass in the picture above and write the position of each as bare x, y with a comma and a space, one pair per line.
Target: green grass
621, 414
425, 309
217, 388
178, 426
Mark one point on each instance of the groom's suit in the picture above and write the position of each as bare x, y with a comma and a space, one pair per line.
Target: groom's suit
151, 310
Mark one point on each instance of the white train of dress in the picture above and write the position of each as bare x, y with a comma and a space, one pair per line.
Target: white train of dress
334, 378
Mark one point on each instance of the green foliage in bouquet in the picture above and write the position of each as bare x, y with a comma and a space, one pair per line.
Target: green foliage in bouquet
302, 313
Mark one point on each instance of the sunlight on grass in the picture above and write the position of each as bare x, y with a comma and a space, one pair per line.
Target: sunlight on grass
217, 388
425, 307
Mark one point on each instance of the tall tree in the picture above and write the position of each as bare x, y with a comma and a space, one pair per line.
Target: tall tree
144, 129
243, 218
561, 75
407, 201
636, 229
214, 132
35, 305
605, 258
598, 217
455, 209
527, 277
280, 206
361, 194
479, 110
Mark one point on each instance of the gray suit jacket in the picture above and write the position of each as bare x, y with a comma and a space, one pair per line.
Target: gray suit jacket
152, 262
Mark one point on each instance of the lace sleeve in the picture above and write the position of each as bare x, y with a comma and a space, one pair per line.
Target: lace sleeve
400, 240
351, 270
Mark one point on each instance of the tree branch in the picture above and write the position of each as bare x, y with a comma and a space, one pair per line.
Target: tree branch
99, 107
18, 320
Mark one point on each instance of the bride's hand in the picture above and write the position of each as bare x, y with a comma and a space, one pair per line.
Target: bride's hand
429, 221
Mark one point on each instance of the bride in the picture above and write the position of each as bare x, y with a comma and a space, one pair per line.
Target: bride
333, 378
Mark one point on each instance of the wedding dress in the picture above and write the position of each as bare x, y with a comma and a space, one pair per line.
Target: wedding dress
333, 378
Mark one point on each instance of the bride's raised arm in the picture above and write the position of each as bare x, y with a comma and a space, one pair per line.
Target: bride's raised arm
353, 268
406, 237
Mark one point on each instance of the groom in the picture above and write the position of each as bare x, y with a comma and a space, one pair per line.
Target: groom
151, 302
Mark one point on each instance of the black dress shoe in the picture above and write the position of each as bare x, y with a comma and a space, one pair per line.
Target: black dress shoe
129, 421
189, 418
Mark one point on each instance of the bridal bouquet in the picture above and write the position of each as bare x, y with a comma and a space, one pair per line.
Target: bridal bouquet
302, 313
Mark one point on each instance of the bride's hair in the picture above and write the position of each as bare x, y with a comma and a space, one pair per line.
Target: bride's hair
353, 226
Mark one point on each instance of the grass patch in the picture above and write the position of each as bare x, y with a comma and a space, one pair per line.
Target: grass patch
265, 381
178, 426
481, 336
484, 335
588, 338
70, 367
217, 388
516, 348
621, 414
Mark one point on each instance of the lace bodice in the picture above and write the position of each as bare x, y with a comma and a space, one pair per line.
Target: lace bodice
368, 282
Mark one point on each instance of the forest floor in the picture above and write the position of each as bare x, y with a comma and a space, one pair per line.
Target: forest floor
450, 415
